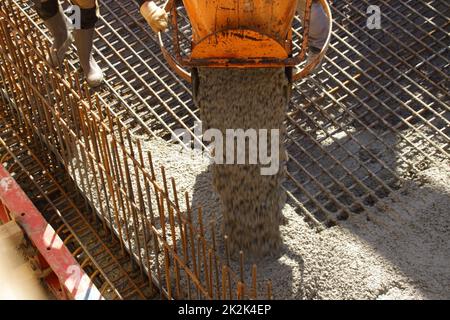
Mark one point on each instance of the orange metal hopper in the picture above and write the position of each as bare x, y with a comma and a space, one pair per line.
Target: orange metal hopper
243, 29
240, 34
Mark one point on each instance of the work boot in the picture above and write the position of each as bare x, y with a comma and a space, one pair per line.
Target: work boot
62, 38
84, 41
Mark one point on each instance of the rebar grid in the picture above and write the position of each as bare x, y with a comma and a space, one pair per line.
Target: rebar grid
112, 273
374, 116
135, 204
351, 107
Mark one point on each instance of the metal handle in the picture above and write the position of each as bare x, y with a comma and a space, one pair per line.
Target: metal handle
309, 67
186, 75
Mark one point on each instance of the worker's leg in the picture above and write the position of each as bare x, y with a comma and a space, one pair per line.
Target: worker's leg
51, 12
84, 38
318, 30
89, 13
318, 27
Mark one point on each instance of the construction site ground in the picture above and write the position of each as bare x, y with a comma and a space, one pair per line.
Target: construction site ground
380, 254
368, 209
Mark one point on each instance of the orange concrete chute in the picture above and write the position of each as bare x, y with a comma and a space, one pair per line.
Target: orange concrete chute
238, 45
240, 34
272, 18
241, 29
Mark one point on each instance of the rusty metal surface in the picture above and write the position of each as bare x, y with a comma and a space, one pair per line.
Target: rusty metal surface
233, 34
376, 114
67, 213
67, 279
132, 200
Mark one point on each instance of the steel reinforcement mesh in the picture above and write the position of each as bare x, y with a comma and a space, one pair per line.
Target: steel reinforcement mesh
373, 117
130, 214
376, 114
